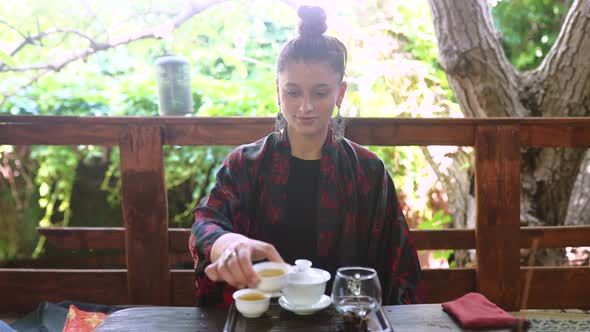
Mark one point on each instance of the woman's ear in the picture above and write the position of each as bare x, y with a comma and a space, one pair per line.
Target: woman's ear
341, 93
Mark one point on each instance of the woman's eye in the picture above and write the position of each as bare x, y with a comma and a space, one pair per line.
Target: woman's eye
292, 93
321, 93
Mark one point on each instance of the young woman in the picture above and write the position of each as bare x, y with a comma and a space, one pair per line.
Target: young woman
304, 191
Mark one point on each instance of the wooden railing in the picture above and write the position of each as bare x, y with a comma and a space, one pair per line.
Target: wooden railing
149, 245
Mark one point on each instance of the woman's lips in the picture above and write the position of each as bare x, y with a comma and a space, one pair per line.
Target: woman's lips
306, 119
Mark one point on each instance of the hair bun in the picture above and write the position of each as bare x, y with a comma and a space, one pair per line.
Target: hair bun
312, 21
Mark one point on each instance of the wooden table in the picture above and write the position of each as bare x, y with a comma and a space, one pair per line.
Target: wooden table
406, 318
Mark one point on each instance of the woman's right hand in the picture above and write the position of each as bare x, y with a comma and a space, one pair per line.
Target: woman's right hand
234, 265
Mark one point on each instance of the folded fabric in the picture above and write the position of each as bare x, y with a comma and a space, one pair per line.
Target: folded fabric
82, 321
51, 317
475, 311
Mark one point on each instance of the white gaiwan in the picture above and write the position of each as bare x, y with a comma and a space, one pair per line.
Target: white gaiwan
305, 285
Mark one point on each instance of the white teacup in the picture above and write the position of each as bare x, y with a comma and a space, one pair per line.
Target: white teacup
306, 286
273, 276
251, 303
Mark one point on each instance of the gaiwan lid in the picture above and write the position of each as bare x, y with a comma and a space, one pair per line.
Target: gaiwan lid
304, 274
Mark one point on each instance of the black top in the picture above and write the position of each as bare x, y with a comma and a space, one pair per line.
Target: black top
298, 236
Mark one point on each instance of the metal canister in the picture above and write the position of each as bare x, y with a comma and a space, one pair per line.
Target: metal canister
174, 85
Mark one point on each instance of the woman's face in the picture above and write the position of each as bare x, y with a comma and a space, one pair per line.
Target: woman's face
307, 94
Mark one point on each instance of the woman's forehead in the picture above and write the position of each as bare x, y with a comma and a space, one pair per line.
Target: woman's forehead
308, 74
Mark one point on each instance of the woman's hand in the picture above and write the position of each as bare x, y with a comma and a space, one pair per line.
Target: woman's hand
234, 265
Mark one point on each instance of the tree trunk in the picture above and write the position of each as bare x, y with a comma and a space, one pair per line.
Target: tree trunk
457, 182
555, 181
578, 211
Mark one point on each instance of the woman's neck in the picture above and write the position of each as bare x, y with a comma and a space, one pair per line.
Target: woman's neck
306, 147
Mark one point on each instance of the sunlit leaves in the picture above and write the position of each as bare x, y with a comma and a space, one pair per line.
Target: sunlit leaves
529, 28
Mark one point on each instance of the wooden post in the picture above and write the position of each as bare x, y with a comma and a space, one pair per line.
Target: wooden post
145, 212
497, 191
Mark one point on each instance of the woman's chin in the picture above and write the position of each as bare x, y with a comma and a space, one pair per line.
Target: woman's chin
309, 131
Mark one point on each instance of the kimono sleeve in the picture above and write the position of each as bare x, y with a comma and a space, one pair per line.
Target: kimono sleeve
217, 213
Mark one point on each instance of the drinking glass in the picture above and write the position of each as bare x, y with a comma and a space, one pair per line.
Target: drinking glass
356, 290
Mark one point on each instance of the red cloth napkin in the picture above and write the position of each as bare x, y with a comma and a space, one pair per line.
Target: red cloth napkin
475, 311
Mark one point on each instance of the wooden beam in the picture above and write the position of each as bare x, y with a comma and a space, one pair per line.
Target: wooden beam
558, 287
145, 213
91, 261
104, 238
218, 133
82, 238
112, 261
22, 290
175, 120
448, 284
442, 285
569, 134
68, 130
497, 194
184, 290
551, 288
371, 131
430, 239
555, 236
59, 134
549, 237
179, 239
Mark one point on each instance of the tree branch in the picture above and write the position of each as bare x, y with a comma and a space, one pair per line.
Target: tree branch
159, 32
470, 52
12, 28
162, 31
23, 86
564, 76
38, 38
456, 182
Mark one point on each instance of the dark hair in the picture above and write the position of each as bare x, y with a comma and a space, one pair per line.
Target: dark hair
312, 45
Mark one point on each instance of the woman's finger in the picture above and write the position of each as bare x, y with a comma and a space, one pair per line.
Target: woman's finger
226, 275
234, 268
268, 251
245, 261
211, 272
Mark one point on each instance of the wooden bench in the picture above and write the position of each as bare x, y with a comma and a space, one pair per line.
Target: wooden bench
149, 245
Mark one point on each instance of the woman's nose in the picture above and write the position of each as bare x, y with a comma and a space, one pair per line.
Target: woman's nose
306, 104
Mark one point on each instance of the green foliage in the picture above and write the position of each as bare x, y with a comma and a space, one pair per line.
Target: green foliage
437, 221
412, 25
6, 58
529, 28
18, 205
55, 177
232, 47
230, 77
399, 53
193, 169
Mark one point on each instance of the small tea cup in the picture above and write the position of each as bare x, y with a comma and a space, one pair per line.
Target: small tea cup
251, 303
273, 276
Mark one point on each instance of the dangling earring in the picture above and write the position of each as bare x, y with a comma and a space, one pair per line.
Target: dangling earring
338, 125
280, 123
